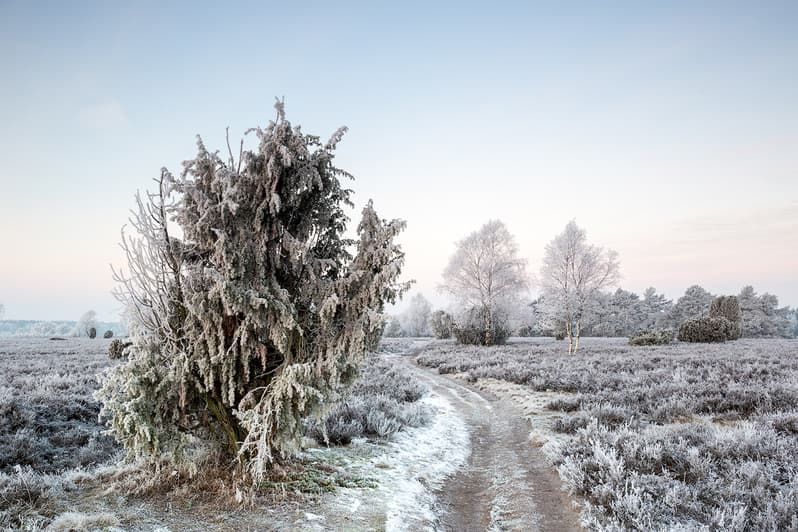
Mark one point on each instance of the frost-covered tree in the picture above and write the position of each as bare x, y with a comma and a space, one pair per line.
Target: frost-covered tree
393, 328
416, 317
572, 276
2, 311
761, 315
485, 273
656, 310
619, 314
693, 304
247, 306
85, 324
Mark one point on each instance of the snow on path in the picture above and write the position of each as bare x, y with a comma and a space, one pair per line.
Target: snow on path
507, 483
408, 470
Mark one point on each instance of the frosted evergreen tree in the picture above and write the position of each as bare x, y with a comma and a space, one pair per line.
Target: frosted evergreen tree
619, 314
694, 303
259, 312
761, 315
656, 309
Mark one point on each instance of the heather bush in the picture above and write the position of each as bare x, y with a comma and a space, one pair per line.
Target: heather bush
652, 337
27, 498
693, 476
706, 329
381, 402
728, 307
470, 328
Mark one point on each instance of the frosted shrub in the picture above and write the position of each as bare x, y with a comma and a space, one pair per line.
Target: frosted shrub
652, 337
471, 328
441, 324
706, 329
382, 401
259, 312
728, 307
691, 477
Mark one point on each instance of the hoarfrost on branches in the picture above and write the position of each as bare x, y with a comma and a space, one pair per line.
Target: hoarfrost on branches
85, 324
259, 312
572, 277
485, 273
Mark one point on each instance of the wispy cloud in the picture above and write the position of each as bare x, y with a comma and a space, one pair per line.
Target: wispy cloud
107, 114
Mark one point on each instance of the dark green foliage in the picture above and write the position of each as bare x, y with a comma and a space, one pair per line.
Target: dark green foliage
652, 337
471, 328
92, 333
441, 323
728, 307
108, 334
706, 329
116, 349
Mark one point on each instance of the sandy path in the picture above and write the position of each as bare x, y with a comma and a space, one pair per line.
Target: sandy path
507, 483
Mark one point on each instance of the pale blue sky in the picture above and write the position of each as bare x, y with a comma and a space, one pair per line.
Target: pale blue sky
669, 131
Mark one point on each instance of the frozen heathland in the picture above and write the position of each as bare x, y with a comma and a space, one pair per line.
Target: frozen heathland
682, 436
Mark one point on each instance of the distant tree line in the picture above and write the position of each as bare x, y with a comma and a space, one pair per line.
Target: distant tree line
488, 284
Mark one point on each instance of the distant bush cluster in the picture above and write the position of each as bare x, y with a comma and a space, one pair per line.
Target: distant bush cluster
382, 401
441, 323
471, 328
652, 337
706, 329
723, 323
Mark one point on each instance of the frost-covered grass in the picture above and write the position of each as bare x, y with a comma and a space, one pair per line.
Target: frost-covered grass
50, 439
48, 417
681, 435
48, 422
382, 401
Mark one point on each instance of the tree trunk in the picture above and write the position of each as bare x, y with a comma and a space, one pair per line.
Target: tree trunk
570, 333
578, 334
233, 430
489, 326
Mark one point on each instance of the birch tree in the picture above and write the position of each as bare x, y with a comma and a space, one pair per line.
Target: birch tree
572, 276
248, 308
485, 272
417, 316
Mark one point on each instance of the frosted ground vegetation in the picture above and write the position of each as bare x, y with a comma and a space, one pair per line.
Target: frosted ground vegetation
686, 436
